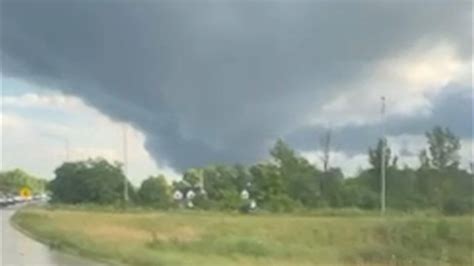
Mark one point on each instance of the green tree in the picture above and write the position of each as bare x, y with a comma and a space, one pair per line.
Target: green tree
443, 147
445, 189
331, 187
424, 159
155, 192
12, 181
458, 199
357, 193
372, 176
221, 186
375, 155
401, 189
439, 181
180, 185
91, 181
287, 181
304, 183
269, 187
243, 177
193, 177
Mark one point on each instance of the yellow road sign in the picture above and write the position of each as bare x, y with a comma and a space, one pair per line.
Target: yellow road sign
25, 192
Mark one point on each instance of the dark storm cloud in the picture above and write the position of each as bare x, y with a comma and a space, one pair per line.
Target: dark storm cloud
453, 109
214, 81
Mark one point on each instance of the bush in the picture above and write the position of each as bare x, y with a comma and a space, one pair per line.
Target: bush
92, 181
201, 201
155, 192
456, 206
368, 201
281, 203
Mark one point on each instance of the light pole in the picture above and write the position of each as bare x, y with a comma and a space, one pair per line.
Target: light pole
382, 166
125, 164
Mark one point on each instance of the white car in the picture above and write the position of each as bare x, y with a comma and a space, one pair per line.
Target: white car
18, 199
10, 200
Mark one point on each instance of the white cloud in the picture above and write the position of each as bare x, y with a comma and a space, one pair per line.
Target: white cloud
405, 147
49, 100
350, 165
467, 153
10, 121
428, 70
408, 147
34, 141
409, 82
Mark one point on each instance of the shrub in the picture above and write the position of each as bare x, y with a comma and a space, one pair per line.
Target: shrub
456, 206
281, 203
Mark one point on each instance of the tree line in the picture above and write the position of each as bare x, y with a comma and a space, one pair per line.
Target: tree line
286, 182
11, 182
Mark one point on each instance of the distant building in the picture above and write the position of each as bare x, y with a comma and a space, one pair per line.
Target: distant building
190, 195
178, 195
244, 194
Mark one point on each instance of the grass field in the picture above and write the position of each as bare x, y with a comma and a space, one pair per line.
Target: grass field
207, 238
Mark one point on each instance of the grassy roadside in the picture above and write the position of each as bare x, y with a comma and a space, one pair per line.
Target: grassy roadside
207, 238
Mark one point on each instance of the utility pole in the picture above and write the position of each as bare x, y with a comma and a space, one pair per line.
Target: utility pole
326, 145
382, 167
125, 164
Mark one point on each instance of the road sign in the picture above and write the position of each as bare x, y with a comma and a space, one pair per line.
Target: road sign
25, 192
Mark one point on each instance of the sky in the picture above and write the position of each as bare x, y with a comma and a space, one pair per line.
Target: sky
207, 82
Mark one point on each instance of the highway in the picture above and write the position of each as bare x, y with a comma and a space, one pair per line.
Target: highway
17, 249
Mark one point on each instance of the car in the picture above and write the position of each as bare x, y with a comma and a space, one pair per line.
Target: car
3, 201
18, 199
10, 200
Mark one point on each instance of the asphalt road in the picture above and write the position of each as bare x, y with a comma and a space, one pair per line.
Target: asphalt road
17, 249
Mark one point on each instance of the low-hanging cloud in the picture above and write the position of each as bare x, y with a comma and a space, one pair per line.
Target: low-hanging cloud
217, 81
453, 109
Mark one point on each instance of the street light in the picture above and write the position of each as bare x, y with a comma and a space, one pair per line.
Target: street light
125, 164
382, 167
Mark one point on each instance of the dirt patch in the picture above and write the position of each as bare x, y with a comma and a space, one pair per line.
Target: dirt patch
181, 234
115, 233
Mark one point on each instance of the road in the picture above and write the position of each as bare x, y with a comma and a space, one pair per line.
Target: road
18, 250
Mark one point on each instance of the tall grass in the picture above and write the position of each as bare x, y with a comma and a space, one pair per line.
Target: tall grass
346, 237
